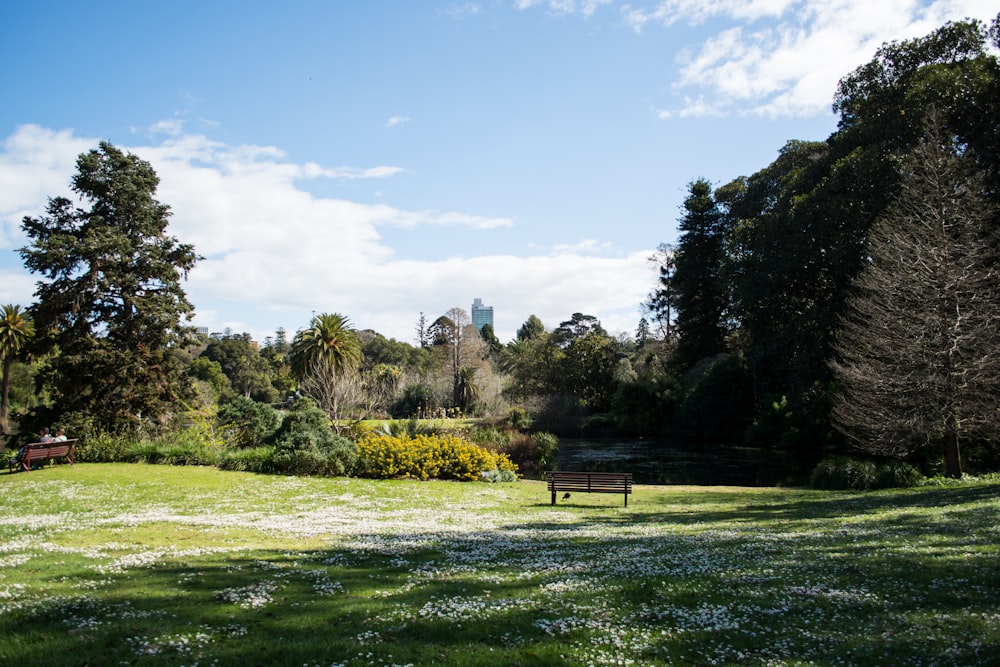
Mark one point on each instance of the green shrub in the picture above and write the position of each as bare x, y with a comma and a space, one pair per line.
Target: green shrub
141, 452
499, 475
247, 423
898, 474
184, 446
546, 449
305, 415
532, 454
103, 448
251, 459
491, 437
412, 427
337, 460
519, 419
599, 421
305, 444
844, 473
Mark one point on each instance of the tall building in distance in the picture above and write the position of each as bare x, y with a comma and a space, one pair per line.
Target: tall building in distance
481, 315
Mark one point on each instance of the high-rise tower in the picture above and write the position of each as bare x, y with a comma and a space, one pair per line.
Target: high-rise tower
481, 315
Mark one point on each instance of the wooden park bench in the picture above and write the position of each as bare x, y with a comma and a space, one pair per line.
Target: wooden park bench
43, 452
589, 482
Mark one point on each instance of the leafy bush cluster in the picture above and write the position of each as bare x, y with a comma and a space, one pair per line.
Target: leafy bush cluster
532, 453
183, 447
255, 438
843, 473
306, 445
246, 423
415, 426
384, 456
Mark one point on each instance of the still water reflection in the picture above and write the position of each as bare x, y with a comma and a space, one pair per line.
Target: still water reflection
670, 462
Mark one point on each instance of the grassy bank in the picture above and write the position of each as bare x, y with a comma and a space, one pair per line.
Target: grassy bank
113, 564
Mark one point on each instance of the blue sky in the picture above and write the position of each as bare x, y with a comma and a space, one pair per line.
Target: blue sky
382, 159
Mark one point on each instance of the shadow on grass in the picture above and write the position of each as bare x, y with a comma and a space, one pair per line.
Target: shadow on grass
283, 608
754, 581
815, 505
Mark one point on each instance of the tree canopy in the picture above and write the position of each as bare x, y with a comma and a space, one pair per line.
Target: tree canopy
699, 294
329, 339
110, 298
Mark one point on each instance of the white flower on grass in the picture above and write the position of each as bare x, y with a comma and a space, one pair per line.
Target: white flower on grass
253, 596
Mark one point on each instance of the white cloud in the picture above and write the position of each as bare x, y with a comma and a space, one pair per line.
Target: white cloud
585, 8
584, 247
783, 58
408, 219
274, 251
35, 163
697, 107
462, 11
173, 127
695, 12
396, 121
16, 287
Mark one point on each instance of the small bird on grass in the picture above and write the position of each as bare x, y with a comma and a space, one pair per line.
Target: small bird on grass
565, 496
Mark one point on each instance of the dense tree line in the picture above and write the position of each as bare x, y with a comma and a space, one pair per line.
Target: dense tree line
773, 260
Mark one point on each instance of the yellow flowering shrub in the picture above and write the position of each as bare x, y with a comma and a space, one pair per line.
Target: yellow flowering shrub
383, 456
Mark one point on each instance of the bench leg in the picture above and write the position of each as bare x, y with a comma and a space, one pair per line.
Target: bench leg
553, 497
626, 500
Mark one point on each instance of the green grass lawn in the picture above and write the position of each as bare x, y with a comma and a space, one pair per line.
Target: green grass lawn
108, 564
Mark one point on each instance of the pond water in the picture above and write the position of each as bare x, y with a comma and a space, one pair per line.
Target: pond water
670, 462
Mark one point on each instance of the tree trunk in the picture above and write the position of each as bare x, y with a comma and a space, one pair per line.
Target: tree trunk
952, 455
6, 391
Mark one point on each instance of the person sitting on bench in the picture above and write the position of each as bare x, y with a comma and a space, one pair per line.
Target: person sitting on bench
43, 437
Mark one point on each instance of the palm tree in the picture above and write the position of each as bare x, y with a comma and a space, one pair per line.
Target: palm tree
467, 391
331, 341
15, 330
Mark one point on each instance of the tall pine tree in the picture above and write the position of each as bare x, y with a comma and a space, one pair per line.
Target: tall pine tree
698, 288
110, 305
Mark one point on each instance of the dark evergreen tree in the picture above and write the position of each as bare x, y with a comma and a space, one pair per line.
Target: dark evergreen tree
661, 303
241, 361
110, 305
788, 266
697, 285
577, 326
493, 344
586, 370
642, 332
532, 328
424, 337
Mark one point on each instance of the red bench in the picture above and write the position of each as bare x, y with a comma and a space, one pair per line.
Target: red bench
43, 452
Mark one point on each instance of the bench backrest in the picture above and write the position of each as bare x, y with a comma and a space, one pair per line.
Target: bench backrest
46, 451
596, 480
49, 450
